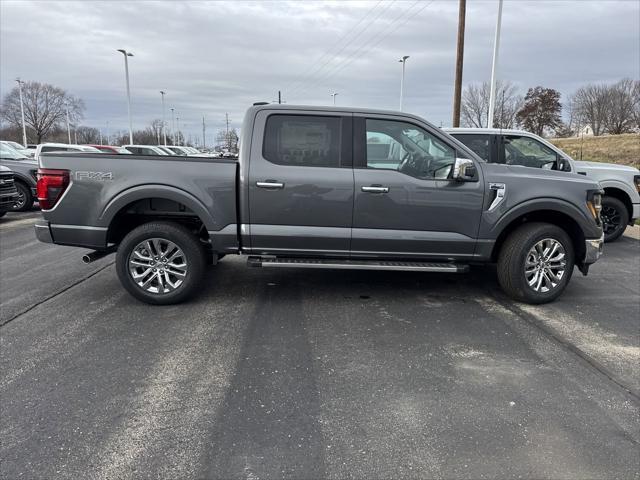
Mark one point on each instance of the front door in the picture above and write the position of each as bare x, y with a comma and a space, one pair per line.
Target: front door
301, 184
406, 205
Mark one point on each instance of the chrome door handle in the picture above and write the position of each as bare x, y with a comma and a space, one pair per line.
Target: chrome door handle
270, 184
375, 189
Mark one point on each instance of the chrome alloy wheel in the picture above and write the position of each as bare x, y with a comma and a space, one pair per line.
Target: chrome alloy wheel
158, 265
545, 265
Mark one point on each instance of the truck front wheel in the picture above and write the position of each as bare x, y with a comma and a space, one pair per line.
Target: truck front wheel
160, 263
615, 218
535, 263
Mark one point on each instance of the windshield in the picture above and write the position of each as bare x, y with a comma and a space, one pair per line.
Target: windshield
7, 152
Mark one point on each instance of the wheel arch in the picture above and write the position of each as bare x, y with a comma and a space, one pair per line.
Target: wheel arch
621, 194
148, 202
561, 214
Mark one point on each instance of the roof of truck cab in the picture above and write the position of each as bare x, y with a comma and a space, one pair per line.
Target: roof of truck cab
488, 131
331, 108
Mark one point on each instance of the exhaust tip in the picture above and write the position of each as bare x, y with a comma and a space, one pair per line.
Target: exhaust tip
86, 258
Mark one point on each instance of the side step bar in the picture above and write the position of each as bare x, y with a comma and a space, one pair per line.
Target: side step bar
278, 262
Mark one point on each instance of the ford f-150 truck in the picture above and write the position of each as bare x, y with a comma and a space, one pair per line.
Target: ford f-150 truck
621, 183
320, 187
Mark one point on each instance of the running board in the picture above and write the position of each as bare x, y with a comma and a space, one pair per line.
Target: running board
278, 262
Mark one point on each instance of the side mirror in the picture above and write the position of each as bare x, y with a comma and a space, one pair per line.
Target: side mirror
464, 170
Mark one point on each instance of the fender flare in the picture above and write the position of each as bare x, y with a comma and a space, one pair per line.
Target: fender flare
588, 226
142, 192
29, 182
620, 185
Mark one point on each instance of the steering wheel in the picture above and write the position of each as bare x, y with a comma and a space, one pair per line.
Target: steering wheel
404, 161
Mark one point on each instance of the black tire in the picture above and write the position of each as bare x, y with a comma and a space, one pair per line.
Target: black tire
25, 199
515, 252
615, 218
164, 231
2, 213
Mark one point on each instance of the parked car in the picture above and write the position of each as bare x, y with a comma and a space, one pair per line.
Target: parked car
323, 187
621, 184
63, 147
145, 150
166, 150
24, 176
20, 148
8, 192
111, 149
178, 150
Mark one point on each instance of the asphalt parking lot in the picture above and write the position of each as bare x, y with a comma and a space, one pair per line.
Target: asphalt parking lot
314, 374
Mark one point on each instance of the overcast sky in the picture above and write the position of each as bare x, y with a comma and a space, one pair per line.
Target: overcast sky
217, 57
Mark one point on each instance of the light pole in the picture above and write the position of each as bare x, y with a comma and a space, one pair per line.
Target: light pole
108, 134
334, 95
173, 127
494, 67
68, 125
403, 61
178, 129
126, 73
24, 128
164, 129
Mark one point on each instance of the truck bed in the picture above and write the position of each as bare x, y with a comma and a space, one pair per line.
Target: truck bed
101, 185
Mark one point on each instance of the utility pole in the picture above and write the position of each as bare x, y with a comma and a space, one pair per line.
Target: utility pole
494, 67
164, 124
68, 125
228, 139
108, 134
24, 128
178, 130
100, 132
403, 61
457, 88
279, 97
334, 95
203, 133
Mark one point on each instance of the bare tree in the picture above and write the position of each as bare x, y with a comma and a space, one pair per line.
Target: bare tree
622, 106
45, 108
590, 103
475, 105
230, 141
88, 135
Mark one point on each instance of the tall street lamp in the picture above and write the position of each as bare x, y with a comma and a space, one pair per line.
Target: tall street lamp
68, 125
126, 73
178, 130
334, 95
24, 128
403, 61
164, 130
173, 127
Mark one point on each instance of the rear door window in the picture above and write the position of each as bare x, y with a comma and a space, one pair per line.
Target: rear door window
480, 144
303, 140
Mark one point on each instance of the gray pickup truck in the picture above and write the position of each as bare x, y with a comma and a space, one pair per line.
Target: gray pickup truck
320, 187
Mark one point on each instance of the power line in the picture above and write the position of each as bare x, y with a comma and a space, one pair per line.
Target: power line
335, 56
310, 70
368, 46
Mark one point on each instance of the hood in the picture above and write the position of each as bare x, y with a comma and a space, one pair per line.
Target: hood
606, 166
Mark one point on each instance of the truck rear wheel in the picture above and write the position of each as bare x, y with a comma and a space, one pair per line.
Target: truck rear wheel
160, 263
535, 263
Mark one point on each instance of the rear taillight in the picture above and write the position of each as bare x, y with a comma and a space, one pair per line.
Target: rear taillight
51, 185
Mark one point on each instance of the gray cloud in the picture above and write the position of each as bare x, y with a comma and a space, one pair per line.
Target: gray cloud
217, 57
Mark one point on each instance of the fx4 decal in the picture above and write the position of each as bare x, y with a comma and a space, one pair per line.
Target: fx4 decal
97, 176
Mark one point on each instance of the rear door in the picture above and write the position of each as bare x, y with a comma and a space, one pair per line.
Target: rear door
405, 204
301, 183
